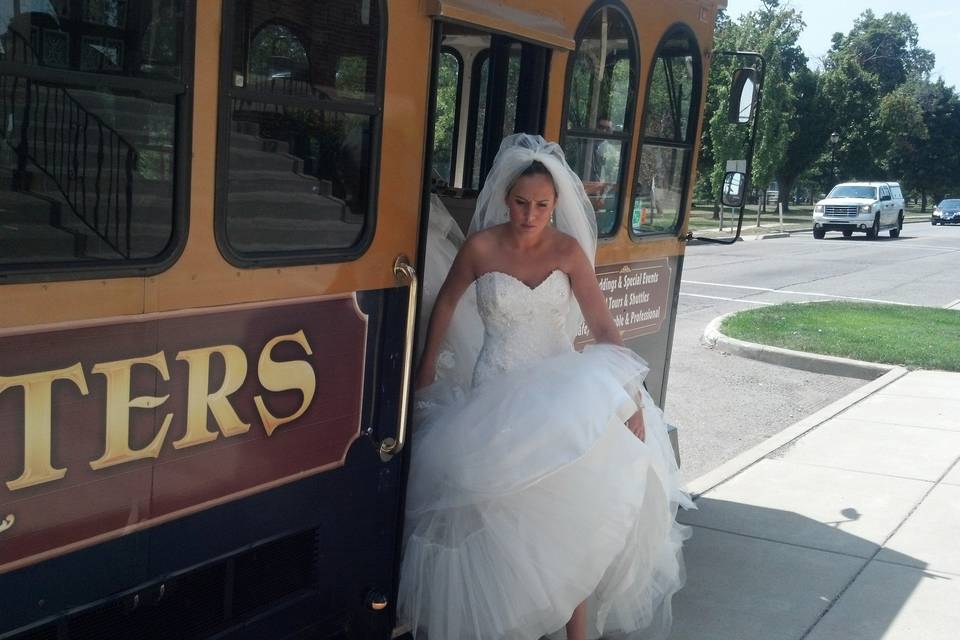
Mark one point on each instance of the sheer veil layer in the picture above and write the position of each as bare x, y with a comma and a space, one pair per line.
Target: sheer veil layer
573, 215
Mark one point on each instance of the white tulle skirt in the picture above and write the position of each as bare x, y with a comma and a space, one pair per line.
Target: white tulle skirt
529, 495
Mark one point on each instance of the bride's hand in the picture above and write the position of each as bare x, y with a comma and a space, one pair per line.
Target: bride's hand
635, 424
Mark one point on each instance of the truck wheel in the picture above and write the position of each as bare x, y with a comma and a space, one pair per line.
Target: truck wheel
819, 234
847, 234
874, 231
895, 233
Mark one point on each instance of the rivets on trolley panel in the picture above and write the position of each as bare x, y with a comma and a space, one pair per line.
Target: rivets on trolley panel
133, 602
376, 601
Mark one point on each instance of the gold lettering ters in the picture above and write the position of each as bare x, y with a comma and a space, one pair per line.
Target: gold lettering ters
281, 376
198, 400
121, 399
38, 423
119, 403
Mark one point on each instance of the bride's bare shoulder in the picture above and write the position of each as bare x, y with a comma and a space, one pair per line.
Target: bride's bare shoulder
478, 248
567, 247
482, 240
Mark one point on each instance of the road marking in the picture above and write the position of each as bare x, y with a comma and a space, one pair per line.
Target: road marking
928, 246
953, 305
794, 293
697, 295
903, 244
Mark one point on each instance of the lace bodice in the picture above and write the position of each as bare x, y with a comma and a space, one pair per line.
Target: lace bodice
521, 324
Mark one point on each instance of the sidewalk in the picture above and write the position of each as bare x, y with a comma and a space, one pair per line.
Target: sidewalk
843, 527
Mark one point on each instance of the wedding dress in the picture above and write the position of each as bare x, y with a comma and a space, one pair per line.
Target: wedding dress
528, 494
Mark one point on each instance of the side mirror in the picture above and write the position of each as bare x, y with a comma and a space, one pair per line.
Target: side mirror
743, 96
884, 198
734, 184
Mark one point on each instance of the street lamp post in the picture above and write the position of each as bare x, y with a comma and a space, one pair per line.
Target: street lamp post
834, 139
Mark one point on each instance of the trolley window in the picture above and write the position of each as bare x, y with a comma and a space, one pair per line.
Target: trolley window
299, 130
94, 104
446, 126
601, 78
480, 97
479, 88
669, 124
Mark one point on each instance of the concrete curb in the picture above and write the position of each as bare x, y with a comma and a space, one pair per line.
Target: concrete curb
831, 365
748, 458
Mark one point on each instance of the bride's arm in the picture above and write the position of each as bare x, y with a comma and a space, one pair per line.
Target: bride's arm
461, 275
583, 281
593, 305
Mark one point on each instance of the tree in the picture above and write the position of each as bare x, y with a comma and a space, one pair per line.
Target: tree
446, 112
925, 151
886, 47
810, 125
862, 68
773, 31
941, 153
852, 96
717, 90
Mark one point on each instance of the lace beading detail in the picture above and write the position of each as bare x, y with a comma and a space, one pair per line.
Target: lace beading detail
521, 324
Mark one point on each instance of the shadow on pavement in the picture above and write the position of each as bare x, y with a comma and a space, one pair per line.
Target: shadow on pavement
768, 574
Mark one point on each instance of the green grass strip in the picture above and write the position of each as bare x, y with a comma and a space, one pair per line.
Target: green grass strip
916, 337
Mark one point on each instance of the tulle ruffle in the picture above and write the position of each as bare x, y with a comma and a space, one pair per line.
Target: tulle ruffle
528, 495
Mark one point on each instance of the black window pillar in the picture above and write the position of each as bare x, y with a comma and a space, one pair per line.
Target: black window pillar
531, 100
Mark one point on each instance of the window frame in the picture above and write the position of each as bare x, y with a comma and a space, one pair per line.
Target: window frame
181, 93
629, 117
473, 115
673, 30
455, 134
227, 93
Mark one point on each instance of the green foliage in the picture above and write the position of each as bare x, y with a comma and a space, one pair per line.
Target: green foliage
774, 31
886, 47
872, 81
874, 91
853, 95
446, 112
902, 116
583, 111
931, 163
809, 125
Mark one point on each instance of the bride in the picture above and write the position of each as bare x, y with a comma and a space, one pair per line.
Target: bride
542, 489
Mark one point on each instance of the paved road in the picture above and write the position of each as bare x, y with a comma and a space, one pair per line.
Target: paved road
723, 405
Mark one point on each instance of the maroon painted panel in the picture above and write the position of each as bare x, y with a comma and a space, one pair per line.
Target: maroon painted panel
268, 357
637, 297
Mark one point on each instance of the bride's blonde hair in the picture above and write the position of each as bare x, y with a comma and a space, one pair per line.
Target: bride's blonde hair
535, 168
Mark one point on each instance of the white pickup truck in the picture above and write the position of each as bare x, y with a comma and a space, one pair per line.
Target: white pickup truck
864, 207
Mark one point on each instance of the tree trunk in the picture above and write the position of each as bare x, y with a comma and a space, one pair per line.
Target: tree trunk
786, 188
923, 201
716, 210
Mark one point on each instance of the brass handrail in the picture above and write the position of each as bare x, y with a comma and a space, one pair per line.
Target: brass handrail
404, 272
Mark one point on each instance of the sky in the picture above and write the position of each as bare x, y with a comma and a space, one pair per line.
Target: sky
938, 22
